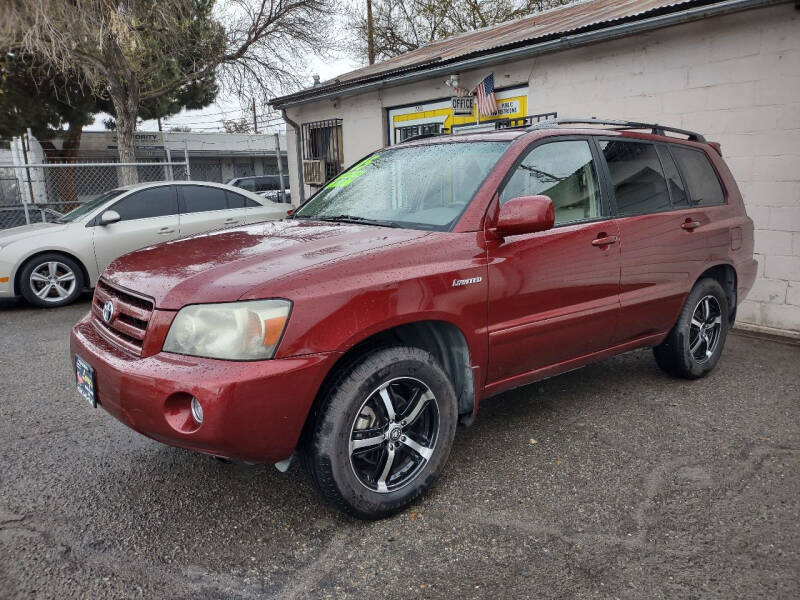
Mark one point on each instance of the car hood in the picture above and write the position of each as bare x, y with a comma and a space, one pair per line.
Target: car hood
25, 232
222, 266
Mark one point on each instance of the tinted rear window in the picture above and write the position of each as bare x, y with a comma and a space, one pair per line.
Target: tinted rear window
238, 201
677, 190
199, 198
639, 185
246, 184
701, 178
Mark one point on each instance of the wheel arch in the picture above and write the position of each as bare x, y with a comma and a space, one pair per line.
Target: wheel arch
18, 274
442, 339
726, 275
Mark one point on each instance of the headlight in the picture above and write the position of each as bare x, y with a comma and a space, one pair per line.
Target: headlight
247, 330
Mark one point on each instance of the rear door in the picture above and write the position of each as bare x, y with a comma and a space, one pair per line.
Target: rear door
554, 295
204, 208
251, 211
147, 217
664, 235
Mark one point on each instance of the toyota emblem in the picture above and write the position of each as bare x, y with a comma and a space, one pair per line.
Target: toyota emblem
108, 311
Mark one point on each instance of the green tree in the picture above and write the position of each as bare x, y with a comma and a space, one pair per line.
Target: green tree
31, 97
58, 107
131, 52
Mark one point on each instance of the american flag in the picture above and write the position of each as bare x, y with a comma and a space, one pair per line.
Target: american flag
484, 94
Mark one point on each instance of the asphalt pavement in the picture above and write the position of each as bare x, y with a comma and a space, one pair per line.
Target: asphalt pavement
613, 481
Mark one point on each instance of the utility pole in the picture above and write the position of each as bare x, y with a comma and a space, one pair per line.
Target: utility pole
255, 121
370, 34
159, 123
280, 166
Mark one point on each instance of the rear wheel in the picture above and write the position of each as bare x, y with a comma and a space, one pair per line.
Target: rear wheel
382, 433
693, 347
51, 280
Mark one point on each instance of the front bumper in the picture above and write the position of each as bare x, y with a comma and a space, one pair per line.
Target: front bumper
253, 411
6, 279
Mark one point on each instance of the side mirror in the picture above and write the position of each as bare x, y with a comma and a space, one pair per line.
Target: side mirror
109, 217
525, 214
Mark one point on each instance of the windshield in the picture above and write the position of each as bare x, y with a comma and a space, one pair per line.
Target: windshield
88, 206
418, 187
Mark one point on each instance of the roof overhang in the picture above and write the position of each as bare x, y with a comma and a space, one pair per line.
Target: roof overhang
600, 33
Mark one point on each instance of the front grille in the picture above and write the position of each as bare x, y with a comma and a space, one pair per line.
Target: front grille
131, 315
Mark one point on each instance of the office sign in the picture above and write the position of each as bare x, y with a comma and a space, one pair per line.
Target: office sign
463, 105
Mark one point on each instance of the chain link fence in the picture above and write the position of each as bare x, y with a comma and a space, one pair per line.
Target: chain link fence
36, 193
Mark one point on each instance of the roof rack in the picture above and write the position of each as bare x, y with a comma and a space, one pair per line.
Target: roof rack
619, 125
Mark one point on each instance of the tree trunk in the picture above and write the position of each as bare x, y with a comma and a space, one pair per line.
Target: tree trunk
126, 105
67, 182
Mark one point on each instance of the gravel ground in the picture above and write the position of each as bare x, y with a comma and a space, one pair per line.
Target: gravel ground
613, 481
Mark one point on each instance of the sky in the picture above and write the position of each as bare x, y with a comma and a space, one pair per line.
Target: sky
210, 118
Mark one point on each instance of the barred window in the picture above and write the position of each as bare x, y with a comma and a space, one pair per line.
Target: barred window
322, 140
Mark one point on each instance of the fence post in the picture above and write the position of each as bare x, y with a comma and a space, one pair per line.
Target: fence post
186, 159
169, 174
280, 165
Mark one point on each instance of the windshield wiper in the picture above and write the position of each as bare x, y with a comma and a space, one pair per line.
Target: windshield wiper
355, 219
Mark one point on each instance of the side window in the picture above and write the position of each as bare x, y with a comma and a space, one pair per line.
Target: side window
639, 184
677, 191
151, 202
271, 183
238, 201
564, 171
199, 198
700, 176
246, 184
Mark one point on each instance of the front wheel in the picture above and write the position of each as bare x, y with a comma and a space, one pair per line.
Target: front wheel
51, 280
382, 433
693, 347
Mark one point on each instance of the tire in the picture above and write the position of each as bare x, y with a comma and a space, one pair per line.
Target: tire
353, 414
51, 280
693, 347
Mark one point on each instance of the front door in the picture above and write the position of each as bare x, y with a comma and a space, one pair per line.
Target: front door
147, 217
554, 295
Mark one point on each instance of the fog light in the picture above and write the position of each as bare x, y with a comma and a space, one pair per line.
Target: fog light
197, 410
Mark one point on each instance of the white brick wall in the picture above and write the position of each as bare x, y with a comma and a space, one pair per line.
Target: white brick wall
735, 78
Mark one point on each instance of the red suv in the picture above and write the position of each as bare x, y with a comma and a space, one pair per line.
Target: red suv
358, 332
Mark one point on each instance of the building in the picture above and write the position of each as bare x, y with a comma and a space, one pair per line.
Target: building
727, 68
212, 156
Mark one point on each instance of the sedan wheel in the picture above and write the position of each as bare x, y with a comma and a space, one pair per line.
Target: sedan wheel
51, 280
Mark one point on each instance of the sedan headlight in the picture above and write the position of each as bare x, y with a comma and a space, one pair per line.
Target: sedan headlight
248, 330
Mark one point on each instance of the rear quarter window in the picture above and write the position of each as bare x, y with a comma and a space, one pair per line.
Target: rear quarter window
701, 178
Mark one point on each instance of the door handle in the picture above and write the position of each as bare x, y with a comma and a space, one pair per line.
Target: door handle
690, 225
165, 230
605, 240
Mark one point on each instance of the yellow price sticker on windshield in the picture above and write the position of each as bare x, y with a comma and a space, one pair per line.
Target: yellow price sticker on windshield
353, 173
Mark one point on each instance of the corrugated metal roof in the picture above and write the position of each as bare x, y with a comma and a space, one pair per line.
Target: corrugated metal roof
561, 20
581, 16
